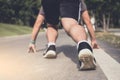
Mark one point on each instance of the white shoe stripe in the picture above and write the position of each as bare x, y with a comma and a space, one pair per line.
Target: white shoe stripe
50, 54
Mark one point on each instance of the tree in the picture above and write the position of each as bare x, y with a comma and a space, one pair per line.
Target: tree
106, 11
21, 12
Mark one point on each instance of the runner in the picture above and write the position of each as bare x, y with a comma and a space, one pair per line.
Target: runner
68, 10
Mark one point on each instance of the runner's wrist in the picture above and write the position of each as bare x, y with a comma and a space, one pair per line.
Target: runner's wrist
32, 41
93, 38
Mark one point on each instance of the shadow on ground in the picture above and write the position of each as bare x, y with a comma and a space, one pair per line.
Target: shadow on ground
70, 52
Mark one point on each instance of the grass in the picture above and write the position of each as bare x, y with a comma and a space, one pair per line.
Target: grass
109, 37
10, 30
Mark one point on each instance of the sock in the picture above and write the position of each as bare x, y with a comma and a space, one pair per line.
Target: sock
84, 45
51, 43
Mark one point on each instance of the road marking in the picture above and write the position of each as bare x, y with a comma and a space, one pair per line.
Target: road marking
110, 67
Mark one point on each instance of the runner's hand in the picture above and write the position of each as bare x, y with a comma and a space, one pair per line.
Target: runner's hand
94, 44
32, 48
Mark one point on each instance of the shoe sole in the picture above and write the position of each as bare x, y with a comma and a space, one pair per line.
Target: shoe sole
50, 54
87, 60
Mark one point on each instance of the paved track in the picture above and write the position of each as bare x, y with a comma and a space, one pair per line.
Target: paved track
17, 64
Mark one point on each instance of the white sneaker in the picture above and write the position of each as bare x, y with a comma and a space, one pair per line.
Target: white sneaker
50, 52
86, 60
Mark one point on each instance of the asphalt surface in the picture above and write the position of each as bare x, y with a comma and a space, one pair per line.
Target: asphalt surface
17, 64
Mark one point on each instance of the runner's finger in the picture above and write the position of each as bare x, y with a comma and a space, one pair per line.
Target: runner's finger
34, 50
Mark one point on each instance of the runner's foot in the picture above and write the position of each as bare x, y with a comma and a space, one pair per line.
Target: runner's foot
86, 60
50, 52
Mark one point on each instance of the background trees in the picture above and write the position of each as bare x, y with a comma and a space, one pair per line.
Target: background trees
106, 12
21, 12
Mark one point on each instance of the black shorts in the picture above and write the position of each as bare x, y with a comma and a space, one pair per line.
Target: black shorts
83, 8
54, 9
